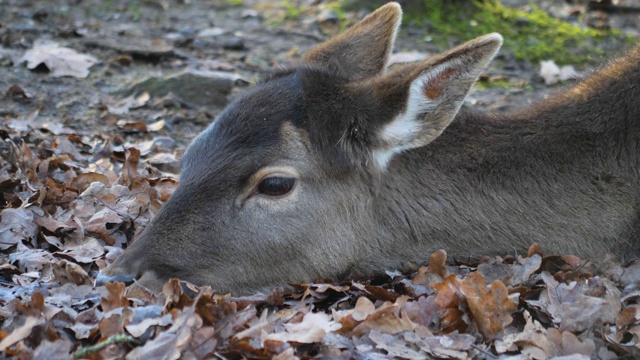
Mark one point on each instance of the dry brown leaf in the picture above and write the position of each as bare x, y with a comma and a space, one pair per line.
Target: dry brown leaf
16, 225
566, 343
388, 319
257, 326
572, 309
435, 272
156, 126
130, 174
163, 347
31, 260
491, 308
138, 329
115, 297
424, 312
525, 268
312, 328
83, 251
451, 346
532, 341
169, 344
111, 325
628, 316
447, 297
203, 342
60, 61
396, 346
68, 272
82, 181
20, 333
123, 106
56, 350
351, 318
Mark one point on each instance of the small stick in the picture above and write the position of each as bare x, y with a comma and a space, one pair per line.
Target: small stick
115, 339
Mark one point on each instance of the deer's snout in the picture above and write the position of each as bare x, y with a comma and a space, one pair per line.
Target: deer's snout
103, 278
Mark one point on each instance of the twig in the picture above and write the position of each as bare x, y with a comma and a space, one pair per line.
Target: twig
485, 352
115, 339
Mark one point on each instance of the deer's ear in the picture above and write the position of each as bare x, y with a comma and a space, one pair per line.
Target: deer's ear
363, 50
435, 90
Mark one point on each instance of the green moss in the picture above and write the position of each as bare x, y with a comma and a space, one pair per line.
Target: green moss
494, 83
532, 35
499, 82
336, 6
135, 11
292, 11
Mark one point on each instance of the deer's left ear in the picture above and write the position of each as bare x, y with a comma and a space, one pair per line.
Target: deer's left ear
434, 91
363, 50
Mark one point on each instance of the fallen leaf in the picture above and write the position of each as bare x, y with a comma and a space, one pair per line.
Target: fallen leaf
312, 328
16, 225
53, 350
396, 346
567, 344
490, 307
60, 61
20, 333
571, 308
532, 341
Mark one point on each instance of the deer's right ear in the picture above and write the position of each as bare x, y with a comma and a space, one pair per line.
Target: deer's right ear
433, 92
363, 50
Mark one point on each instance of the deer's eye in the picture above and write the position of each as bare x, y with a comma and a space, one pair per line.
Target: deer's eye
276, 186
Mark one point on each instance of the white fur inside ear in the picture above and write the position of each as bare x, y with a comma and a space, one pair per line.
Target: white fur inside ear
407, 129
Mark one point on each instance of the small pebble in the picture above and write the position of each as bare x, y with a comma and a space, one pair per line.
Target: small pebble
233, 44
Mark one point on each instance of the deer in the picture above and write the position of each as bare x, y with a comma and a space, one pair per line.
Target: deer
341, 163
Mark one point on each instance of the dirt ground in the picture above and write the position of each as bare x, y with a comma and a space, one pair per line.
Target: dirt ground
136, 40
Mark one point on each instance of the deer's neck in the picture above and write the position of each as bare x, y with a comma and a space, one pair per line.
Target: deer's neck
563, 173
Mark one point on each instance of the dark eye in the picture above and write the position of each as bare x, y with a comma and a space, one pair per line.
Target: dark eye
276, 186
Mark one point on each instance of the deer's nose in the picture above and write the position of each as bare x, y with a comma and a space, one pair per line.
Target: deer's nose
102, 279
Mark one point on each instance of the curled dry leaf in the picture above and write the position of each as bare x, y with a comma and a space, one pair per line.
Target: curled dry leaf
82, 181
68, 272
312, 328
388, 318
572, 309
532, 341
114, 297
16, 225
396, 346
451, 346
53, 350
435, 272
567, 344
447, 298
490, 307
20, 333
